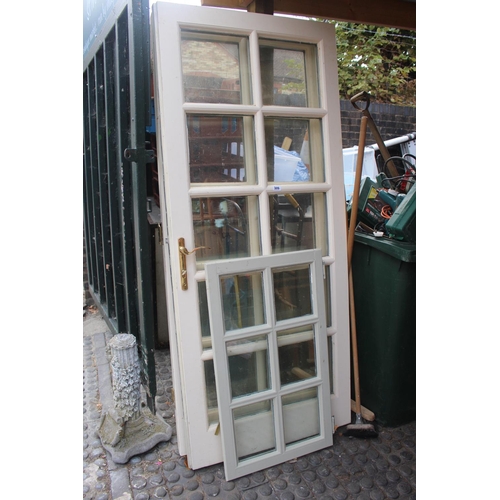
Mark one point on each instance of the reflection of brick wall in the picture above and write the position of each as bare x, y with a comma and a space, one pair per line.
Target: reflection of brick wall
391, 121
210, 59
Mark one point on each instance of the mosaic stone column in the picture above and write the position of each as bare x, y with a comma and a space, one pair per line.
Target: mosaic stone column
127, 429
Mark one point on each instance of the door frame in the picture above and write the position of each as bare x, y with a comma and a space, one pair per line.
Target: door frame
170, 115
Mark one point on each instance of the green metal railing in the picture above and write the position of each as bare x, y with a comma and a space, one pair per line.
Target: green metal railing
116, 97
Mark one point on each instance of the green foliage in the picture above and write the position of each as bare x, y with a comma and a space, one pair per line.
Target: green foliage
378, 60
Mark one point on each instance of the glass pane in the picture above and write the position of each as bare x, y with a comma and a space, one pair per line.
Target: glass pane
294, 150
211, 392
298, 222
297, 357
248, 365
331, 367
223, 226
328, 297
289, 76
242, 300
215, 68
292, 292
216, 149
254, 429
204, 317
301, 415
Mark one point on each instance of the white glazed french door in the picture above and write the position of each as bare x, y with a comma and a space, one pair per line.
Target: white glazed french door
250, 167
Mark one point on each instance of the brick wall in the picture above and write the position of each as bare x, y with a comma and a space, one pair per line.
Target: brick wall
391, 121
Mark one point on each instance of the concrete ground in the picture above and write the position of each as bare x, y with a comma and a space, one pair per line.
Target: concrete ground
351, 469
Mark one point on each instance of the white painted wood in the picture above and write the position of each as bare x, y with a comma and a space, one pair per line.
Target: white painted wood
196, 438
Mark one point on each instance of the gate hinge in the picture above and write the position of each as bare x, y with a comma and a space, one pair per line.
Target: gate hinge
139, 155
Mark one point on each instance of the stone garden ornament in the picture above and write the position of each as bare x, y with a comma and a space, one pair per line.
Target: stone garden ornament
127, 429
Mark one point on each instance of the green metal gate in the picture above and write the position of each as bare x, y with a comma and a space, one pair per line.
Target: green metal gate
116, 97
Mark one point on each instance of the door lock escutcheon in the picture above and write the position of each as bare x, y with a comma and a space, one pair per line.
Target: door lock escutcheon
183, 253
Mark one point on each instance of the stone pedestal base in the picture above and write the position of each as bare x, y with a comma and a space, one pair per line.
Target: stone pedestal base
124, 440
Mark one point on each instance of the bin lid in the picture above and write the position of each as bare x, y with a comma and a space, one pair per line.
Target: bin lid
402, 250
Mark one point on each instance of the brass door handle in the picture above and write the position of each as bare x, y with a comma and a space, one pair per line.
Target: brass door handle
183, 252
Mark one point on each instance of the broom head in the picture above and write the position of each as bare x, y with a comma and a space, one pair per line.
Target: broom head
360, 430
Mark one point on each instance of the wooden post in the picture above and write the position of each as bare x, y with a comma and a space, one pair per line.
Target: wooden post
261, 7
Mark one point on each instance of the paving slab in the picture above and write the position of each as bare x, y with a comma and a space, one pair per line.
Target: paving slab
351, 469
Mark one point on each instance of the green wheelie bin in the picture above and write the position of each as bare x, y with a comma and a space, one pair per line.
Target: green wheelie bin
384, 281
